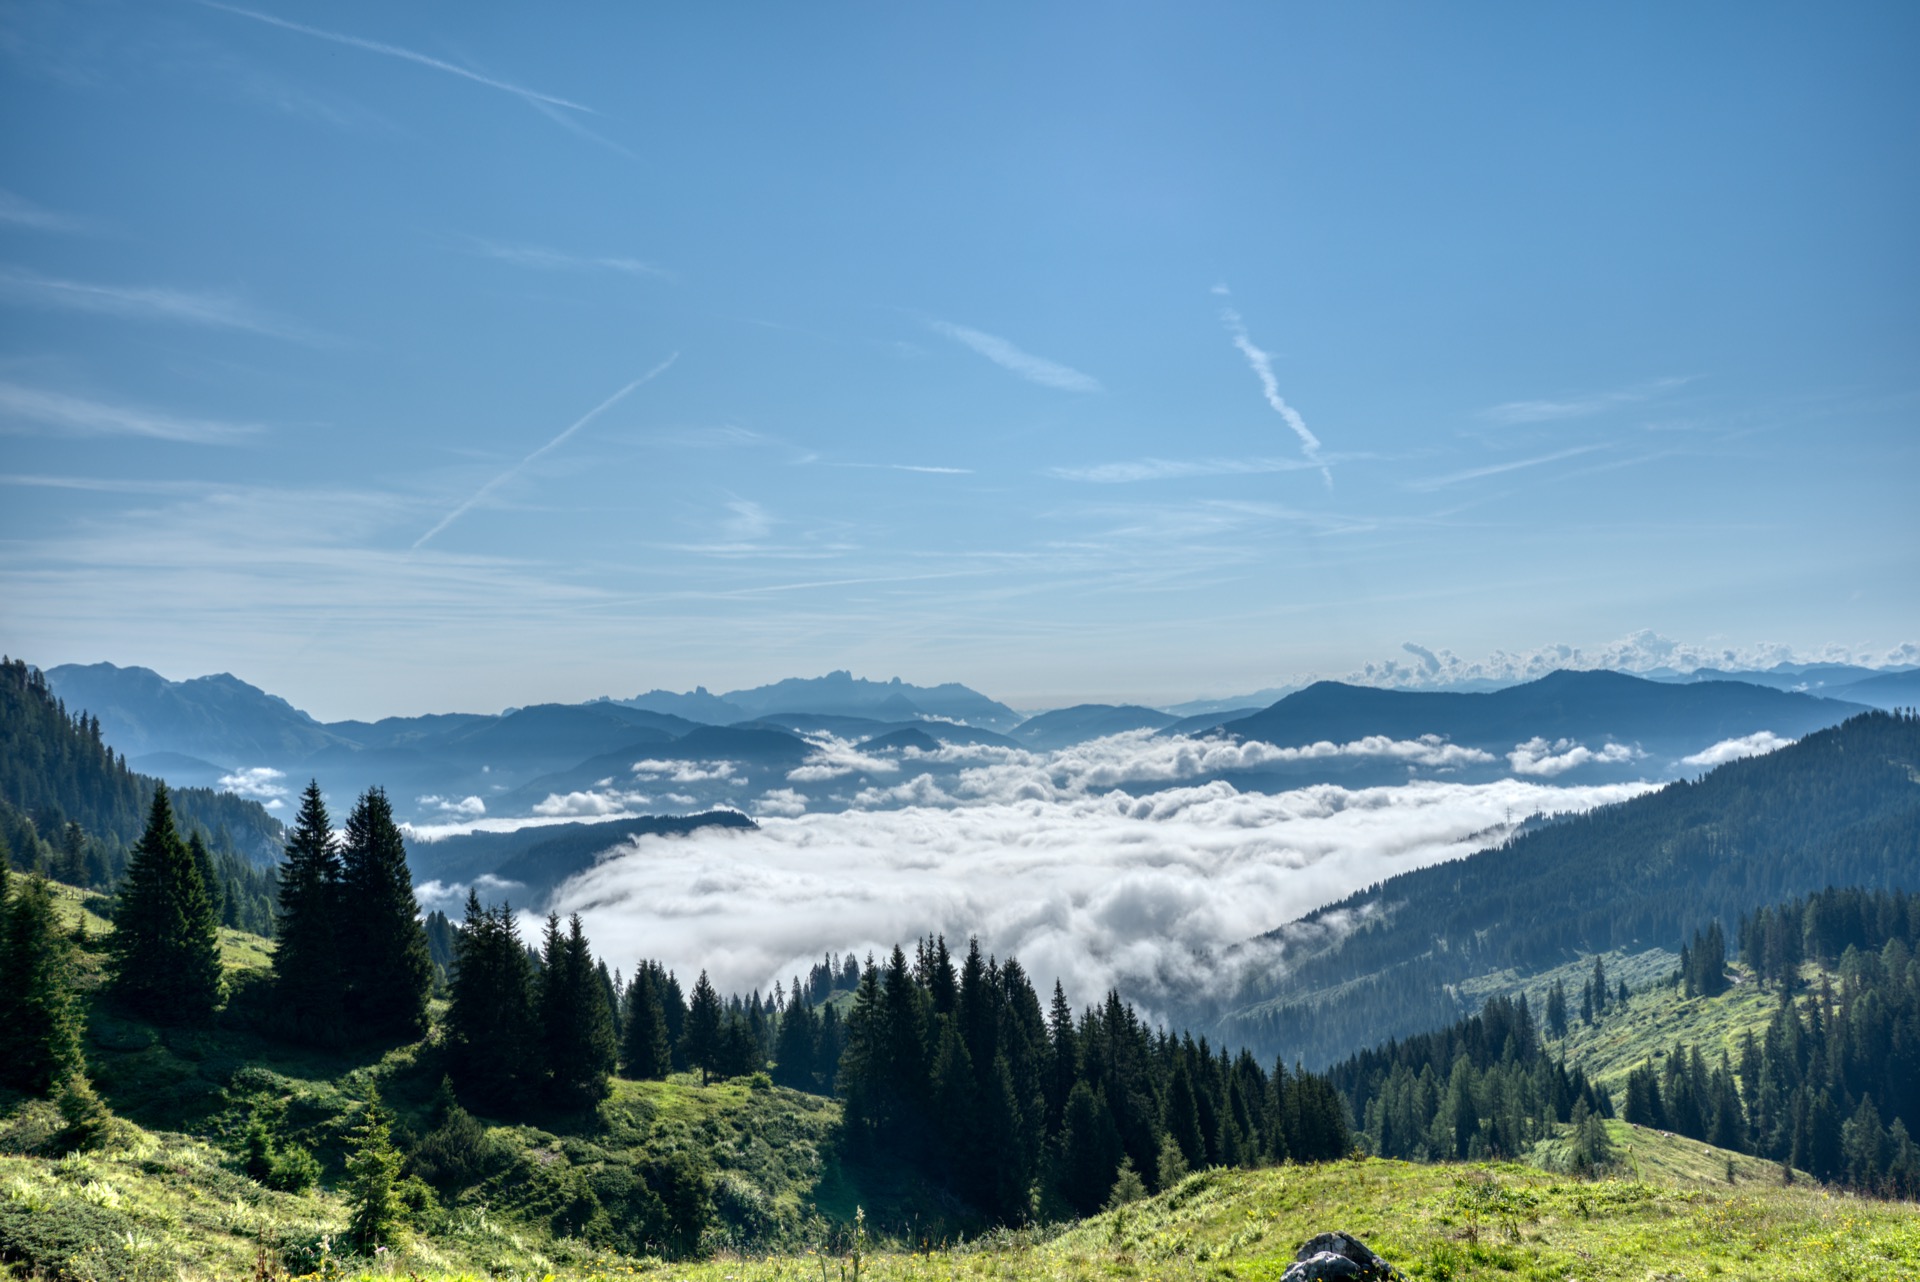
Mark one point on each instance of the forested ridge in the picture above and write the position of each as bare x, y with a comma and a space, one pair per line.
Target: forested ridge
70, 807
1840, 807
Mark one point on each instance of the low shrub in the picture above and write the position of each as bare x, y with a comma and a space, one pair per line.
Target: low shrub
77, 1241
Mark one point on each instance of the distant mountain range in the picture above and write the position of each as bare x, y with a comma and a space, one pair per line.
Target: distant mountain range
667, 752
1589, 709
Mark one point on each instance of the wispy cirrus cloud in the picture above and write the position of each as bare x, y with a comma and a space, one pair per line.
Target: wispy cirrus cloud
922, 468
1160, 469
106, 484
533, 96
18, 211
78, 416
551, 445
543, 259
1261, 363
142, 302
1546, 411
1430, 483
1035, 369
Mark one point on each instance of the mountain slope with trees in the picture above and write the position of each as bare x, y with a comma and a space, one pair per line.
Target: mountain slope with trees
71, 808
1840, 807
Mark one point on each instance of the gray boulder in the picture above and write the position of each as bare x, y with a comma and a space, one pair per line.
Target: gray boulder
1337, 1257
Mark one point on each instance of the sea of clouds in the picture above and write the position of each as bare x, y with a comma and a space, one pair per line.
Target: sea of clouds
1126, 862
1156, 895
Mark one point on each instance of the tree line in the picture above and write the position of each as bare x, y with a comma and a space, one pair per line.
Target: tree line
955, 1070
1484, 1087
1832, 1086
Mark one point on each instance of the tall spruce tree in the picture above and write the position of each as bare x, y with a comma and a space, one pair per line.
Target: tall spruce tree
306, 956
164, 954
1557, 1010
492, 1038
41, 1046
386, 969
645, 1052
795, 1045
576, 1022
702, 1038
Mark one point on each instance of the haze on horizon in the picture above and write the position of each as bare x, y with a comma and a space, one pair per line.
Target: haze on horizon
442, 359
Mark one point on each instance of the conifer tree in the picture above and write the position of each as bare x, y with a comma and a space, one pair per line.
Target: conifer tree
673, 1004
491, 1036
306, 958
1557, 1010
209, 874
702, 1037
794, 1045
164, 954
1090, 1150
1181, 1118
373, 1174
576, 1024
40, 1047
645, 1052
386, 968
1063, 1056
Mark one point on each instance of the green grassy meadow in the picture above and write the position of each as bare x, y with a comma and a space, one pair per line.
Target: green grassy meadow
186, 1214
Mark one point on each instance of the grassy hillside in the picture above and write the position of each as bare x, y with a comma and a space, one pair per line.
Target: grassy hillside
171, 1179
1654, 1019
176, 1206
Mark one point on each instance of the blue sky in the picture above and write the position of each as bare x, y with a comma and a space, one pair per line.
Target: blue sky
417, 358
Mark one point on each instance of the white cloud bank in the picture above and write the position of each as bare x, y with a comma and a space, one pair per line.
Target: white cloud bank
460, 807
257, 783
1099, 889
1539, 758
1756, 744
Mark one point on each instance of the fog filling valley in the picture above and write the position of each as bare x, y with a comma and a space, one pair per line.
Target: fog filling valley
1161, 892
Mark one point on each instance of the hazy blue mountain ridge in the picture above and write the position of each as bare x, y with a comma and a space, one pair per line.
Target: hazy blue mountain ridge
1593, 708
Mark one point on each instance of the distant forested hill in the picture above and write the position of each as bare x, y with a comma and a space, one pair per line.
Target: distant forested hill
1841, 807
55, 771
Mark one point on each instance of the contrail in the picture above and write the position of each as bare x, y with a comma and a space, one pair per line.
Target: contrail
406, 55
1262, 364
519, 467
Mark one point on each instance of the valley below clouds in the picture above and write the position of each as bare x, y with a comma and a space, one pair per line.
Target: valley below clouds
1161, 894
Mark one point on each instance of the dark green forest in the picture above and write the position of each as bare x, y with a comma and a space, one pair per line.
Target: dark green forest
1840, 807
1483, 1087
70, 807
